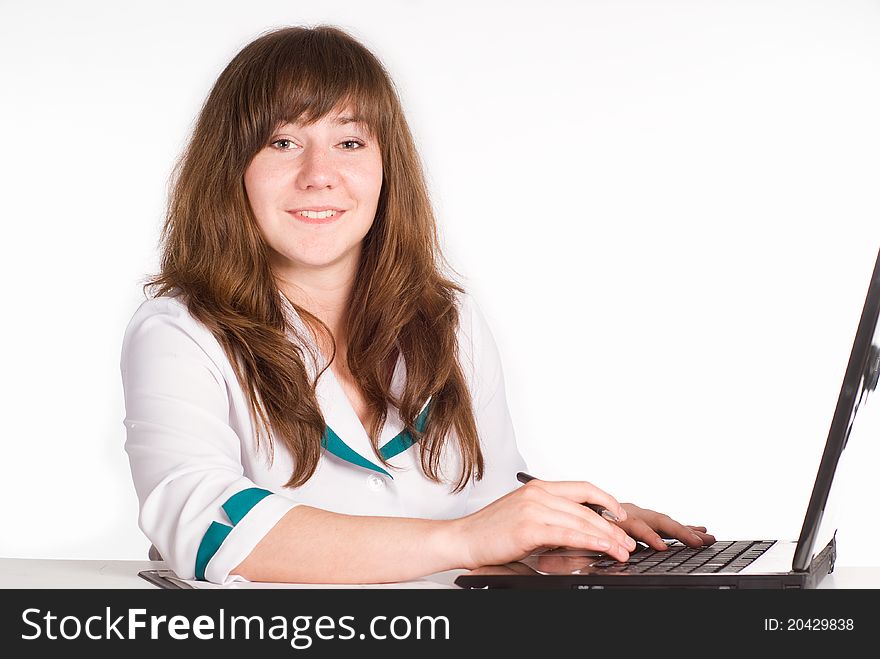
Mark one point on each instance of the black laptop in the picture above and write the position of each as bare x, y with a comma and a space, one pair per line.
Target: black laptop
724, 564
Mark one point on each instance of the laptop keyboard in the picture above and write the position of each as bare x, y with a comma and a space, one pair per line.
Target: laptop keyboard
727, 556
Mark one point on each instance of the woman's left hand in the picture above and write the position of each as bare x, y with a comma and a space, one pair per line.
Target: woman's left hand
651, 527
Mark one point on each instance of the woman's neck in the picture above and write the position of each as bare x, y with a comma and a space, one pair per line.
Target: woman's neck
325, 294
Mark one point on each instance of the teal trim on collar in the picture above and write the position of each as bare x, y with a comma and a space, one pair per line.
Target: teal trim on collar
404, 440
214, 537
333, 443
240, 503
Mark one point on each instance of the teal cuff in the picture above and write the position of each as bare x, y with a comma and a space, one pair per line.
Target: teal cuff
236, 507
240, 504
214, 537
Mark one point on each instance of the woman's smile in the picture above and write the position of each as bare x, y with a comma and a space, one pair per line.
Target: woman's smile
317, 216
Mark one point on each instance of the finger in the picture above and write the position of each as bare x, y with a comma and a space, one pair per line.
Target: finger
707, 538
588, 516
641, 530
581, 492
581, 540
684, 534
560, 529
667, 527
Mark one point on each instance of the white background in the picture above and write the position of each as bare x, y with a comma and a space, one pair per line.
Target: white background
667, 210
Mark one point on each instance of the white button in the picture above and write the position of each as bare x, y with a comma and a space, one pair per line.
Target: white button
375, 482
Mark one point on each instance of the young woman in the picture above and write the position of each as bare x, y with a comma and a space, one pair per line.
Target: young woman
309, 397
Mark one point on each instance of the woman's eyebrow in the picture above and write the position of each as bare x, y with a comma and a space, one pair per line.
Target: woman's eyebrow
341, 121
338, 121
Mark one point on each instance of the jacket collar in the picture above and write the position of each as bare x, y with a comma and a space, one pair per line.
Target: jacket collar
345, 436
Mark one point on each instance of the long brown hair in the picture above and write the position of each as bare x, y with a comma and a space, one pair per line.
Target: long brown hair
401, 303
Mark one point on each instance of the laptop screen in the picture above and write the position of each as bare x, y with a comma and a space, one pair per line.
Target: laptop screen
859, 380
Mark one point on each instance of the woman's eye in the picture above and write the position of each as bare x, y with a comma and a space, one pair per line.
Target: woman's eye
352, 145
282, 144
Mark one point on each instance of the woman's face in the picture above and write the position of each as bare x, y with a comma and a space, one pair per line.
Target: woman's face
314, 191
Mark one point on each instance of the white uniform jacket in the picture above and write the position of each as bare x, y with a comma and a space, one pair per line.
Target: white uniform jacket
207, 495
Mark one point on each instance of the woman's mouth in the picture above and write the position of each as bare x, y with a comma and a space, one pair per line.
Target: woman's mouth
316, 216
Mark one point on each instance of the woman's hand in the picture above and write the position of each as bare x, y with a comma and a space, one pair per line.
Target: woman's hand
542, 514
651, 527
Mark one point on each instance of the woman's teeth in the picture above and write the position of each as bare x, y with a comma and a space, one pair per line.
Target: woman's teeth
317, 215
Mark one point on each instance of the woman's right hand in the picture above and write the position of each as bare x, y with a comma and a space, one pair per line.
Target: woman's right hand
542, 514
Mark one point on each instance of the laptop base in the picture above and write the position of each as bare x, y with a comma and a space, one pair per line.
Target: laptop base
519, 575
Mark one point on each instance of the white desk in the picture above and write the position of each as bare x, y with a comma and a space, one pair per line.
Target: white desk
48, 573
51, 573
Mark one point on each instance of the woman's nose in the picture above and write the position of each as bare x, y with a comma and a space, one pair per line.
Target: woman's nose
317, 169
